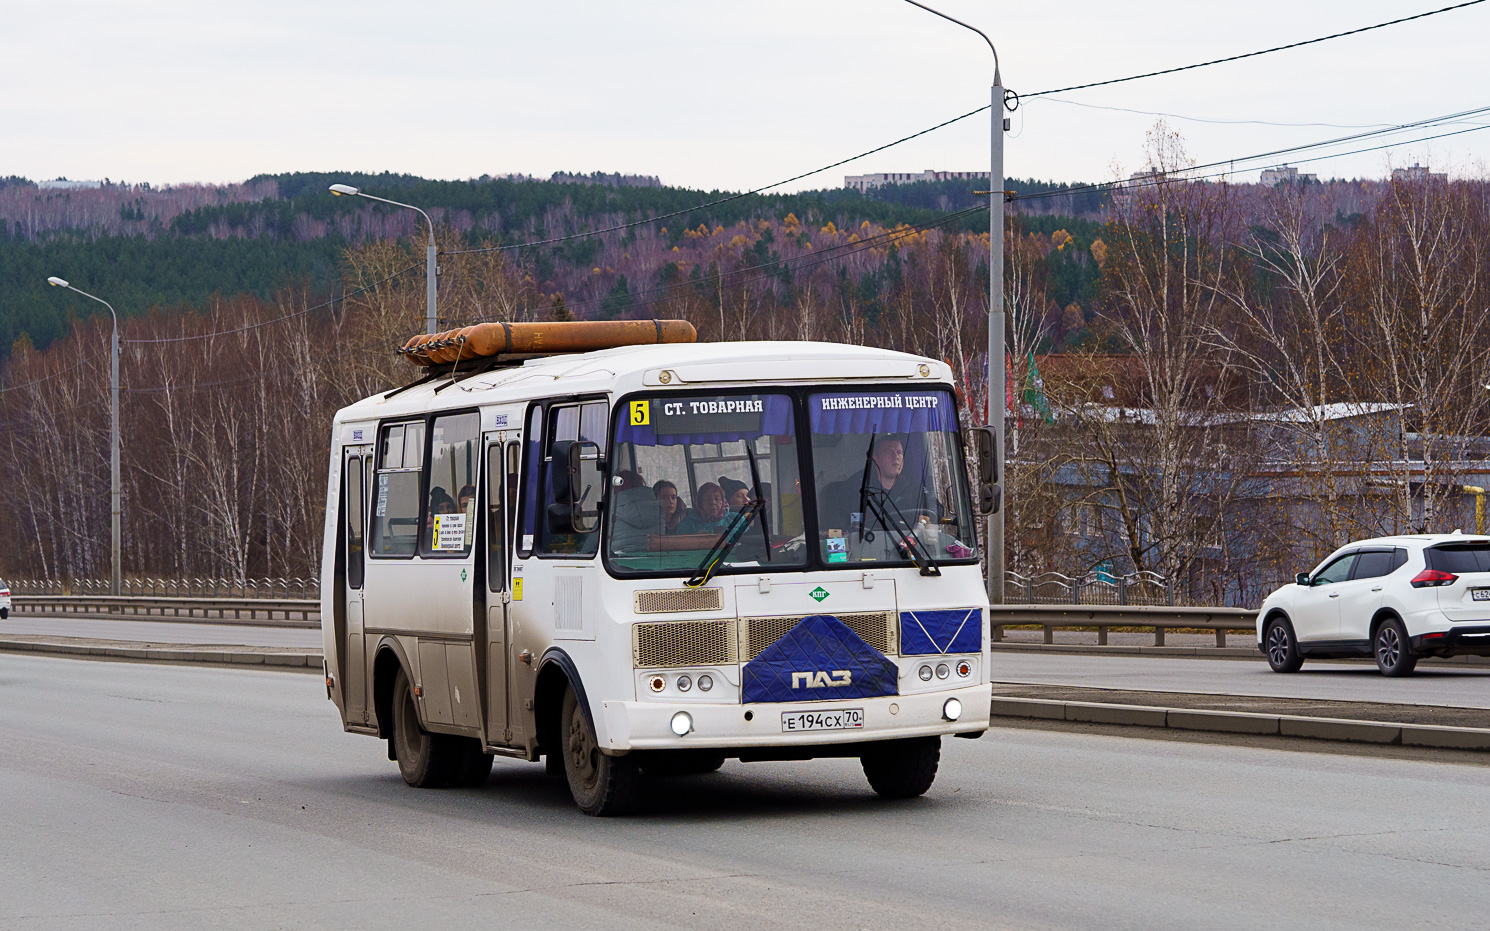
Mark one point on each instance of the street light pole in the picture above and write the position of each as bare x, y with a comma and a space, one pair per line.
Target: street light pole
115, 507
998, 375
431, 270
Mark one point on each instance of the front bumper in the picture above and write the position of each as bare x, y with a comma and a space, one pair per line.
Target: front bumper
1463, 640
646, 725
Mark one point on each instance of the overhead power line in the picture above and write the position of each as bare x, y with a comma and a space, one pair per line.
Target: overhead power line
63, 371
1266, 51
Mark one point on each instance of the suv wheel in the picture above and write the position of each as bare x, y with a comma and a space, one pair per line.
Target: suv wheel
1393, 650
1282, 648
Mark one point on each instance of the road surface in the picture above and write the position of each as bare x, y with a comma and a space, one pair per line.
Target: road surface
152, 631
161, 797
1453, 685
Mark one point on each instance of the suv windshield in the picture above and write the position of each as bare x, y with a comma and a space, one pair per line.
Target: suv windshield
683, 469
889, 476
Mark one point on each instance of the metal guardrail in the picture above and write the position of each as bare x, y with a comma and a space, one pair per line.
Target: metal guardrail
1101, 588
1106, 617
174, 588
257, 612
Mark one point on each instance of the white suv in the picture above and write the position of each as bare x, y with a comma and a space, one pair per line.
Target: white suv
1394, 598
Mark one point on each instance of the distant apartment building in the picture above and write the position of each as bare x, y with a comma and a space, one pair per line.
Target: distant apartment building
1273, 177
862, 183
1417, 172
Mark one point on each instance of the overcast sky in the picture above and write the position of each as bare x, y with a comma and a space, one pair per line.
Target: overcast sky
700, 93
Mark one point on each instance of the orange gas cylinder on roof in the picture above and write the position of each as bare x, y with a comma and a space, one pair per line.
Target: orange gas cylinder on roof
484, 340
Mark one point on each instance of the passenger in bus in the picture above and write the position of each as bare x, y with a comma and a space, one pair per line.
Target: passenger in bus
712, 514
673, 508
736, 492
465, 500
638, 514
440, 501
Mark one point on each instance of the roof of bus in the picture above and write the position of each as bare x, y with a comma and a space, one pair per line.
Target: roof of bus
693, 365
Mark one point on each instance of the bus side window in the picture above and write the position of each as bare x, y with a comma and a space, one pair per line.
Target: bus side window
353, 490
452, 475
394, 528
496, 523
528, 527
568, 422
514, 461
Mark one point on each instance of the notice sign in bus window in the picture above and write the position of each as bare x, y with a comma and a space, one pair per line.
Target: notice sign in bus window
729, 415
450, 533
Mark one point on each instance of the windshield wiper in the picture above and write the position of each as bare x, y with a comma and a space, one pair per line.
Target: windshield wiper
724, 544
729, 538
875, 499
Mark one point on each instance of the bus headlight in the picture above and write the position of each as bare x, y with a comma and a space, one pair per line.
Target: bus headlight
684, 683
682, 722
952, 710
705, 683
925, 673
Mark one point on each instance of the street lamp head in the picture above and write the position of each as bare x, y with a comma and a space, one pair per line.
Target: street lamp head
340, 189
56, 282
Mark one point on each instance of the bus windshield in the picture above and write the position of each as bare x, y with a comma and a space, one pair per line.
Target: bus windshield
890, 479
696, 476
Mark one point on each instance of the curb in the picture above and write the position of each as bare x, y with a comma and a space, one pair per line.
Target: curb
288, 661
1237, 722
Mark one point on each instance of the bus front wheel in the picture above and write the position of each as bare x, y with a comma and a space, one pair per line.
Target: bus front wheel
601, 785
425, 760
902, 768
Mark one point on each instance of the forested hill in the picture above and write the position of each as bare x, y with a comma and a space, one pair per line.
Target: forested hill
169, 248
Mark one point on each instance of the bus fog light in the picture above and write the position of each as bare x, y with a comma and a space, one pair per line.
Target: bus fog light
964, 669
942, 671
952, 710
684, 683
705, 683
682, 722
657, 683
925, 673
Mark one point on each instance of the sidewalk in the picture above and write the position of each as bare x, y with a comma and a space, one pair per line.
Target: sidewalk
216, 654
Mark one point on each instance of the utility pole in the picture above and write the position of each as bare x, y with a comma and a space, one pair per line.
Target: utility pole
115, 503
998, 375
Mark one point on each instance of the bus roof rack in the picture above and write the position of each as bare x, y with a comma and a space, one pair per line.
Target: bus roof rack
514, 342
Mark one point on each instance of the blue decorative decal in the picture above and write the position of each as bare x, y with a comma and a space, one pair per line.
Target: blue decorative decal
821, 659
959, 631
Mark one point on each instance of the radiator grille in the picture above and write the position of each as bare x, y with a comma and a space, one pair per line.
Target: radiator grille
683, 643
878, 629
671, 600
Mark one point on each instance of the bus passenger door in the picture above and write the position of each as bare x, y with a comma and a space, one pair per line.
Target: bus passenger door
501, 479
354, 661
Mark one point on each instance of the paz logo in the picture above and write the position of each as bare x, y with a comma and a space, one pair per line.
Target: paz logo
463, 575
818, 594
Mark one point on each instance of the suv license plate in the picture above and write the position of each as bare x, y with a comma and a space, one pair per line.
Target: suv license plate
839, 719
1479, 594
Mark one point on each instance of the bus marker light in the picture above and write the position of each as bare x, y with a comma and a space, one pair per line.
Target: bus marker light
952, 710
682, 723
657, 683
964, 669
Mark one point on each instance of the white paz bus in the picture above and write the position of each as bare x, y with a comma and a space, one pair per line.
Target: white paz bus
628, 555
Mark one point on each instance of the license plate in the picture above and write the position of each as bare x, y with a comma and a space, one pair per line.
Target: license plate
839, 719
1479, 594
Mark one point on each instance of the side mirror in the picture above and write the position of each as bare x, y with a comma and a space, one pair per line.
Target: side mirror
990, 497
1301, 579
577, 482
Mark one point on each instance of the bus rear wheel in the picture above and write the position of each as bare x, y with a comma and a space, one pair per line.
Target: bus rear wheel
601, 785
902, 768
425, 760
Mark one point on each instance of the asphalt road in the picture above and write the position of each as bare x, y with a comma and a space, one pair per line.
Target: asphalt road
1453, 685
145, 796
163, 631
